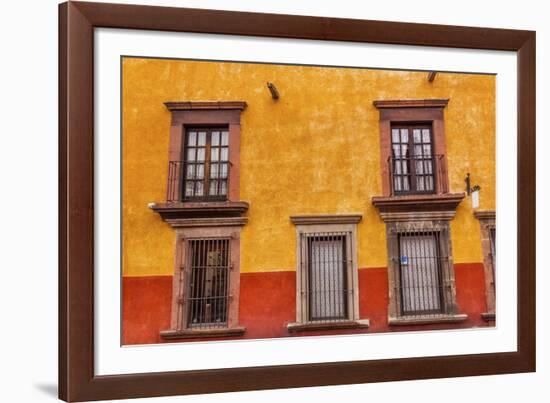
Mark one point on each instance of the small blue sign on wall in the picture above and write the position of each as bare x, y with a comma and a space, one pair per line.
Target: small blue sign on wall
404, 260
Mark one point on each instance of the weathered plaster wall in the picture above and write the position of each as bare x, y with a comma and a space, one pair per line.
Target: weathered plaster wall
314, 151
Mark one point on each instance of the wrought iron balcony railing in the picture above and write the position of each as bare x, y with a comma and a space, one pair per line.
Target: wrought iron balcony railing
417, 175
198, 181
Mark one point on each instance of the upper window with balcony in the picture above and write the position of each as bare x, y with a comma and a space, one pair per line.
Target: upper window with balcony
203, 178
412, 139
413, 166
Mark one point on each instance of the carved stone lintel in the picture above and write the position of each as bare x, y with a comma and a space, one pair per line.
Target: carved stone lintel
411, 103
326, 219
207, 222
204, 105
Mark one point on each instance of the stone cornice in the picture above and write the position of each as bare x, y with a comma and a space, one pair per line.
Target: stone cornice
204, 105
326, 219
194, 210
418, 207
411, 103
485, 214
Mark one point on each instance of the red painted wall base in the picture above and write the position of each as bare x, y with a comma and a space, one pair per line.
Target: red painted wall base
267, 304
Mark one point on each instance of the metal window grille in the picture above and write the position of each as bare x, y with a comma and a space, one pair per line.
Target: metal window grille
413, 166
204, 172
423, 269
325, 259
208, 286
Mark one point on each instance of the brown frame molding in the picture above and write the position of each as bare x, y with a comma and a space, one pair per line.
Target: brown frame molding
406, 111
77, 380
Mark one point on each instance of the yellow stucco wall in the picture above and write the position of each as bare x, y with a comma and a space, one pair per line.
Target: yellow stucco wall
314, 151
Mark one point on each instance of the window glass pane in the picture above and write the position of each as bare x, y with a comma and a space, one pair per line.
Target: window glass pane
189, 188
200, 154
395, 135
202, 138
406, 183
214, 170
404, 135
213, 188
429, 182
404, 151
224, 156
396, 151
223, 187
426, 135
223, 170
199, 173
419, 167
418, 150
214, 151
416, 136
190, 171
199, 189
191, 154
427, 150
420, 183
215, 138
225, 138
192, 138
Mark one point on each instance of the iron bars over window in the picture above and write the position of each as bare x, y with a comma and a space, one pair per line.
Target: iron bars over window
325, 260
207, 296
424, 271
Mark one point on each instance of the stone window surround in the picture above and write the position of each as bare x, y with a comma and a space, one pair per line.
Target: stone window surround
207, 113
487, 221
407, 111
328, 223
433, 221
187, 229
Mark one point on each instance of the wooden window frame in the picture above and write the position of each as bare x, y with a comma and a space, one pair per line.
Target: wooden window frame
194, 114
205, 228
207, 164
422, 111
309, 225
487, 222
410, 126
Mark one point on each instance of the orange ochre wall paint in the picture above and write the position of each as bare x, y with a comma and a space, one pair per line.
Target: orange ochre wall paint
267, 304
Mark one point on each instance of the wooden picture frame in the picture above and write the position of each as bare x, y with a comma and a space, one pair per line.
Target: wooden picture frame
77, 21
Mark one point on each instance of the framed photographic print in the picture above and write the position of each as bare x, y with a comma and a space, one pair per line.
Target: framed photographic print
254, 201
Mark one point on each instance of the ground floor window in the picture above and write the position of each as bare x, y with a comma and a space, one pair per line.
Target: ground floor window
208, 283
421, 273
420, 265
327, 292
325, 277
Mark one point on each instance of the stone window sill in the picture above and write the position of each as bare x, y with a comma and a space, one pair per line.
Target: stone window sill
196, 333
427, 320
345, 324
488, 316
